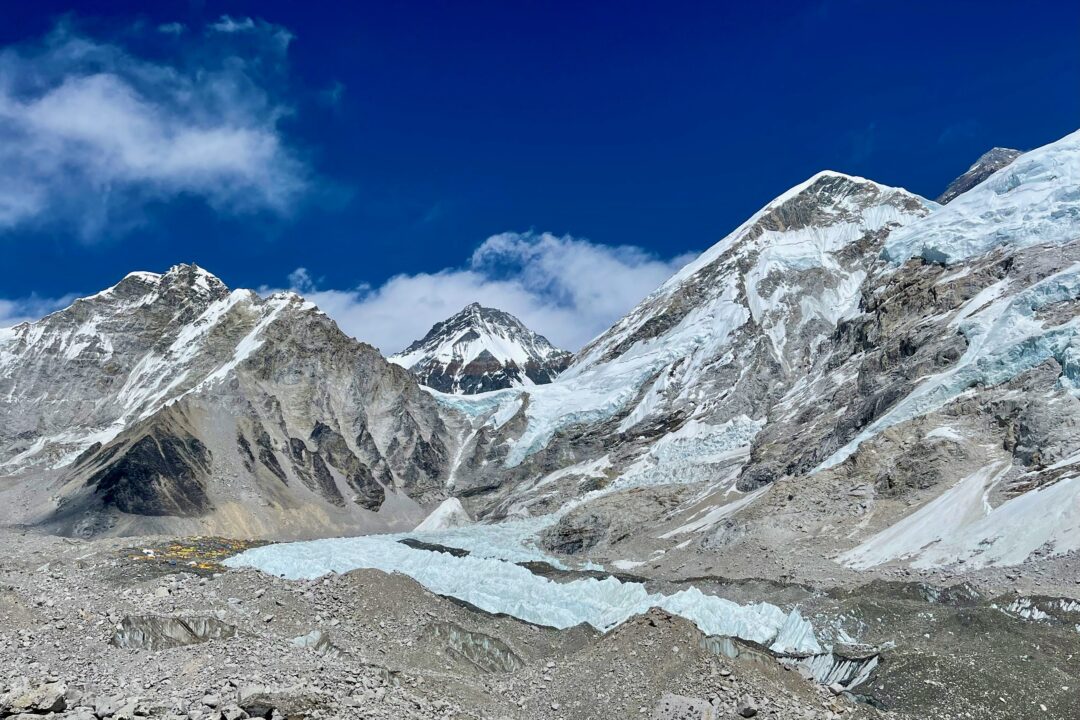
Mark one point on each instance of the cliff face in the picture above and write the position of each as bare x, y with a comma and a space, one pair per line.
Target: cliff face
168, 402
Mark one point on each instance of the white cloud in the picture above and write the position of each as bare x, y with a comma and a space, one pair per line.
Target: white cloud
29, 309
90, 134
301, 281
229, 25
565, 288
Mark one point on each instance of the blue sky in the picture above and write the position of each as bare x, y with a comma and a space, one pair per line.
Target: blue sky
396, 161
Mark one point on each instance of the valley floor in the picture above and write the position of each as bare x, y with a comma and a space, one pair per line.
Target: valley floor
81, 636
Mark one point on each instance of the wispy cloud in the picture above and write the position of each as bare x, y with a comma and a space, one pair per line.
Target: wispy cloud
565, 288
173, 28
229, 25
91, 133
333, 94
29, 309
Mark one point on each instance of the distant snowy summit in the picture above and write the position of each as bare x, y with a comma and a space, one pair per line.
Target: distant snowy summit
984, 167
481, 349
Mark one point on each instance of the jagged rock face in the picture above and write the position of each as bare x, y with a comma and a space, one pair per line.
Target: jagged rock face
482, 349
849, 339
170, 403
851, 361
988, 164
80, 375
694, 370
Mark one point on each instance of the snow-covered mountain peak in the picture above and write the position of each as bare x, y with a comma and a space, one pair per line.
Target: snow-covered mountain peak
179, 282
987, 164
829, 225
480, 349
149, 339
1032, 200
712, 350
152, 397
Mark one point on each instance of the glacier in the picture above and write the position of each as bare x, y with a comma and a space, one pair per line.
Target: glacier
647, 376
961, 526
1005, 339
1033, 200
498, 585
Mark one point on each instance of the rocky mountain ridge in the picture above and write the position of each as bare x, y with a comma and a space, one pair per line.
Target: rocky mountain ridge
988, 163
168, 401
481, 349
849, 342
812, 345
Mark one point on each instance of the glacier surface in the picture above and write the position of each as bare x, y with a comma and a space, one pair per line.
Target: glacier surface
1006, 337
1033, 200
498, 585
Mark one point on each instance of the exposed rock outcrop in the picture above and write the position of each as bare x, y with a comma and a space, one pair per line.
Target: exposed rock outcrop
481, 349
169, 403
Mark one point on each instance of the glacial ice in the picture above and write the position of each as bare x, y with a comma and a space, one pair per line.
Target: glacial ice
498, 585
1033, 200
657, 371
1005, 339
693, 453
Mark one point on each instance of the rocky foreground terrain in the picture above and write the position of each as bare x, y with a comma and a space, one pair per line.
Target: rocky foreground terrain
146, 627
83, 634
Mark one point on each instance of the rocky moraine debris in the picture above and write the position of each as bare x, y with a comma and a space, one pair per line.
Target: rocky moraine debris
86, 632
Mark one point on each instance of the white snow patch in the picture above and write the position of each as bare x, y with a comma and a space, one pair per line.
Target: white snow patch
716, 514
589, 469
961, 526
448, 514
694, 453
945, 433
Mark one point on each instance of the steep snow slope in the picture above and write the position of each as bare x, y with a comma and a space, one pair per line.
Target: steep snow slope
848, 338
716, 345
990, 162
481, 349
955, 388
961, 525
814, 226
1031, 201
1035, 200
169, 403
